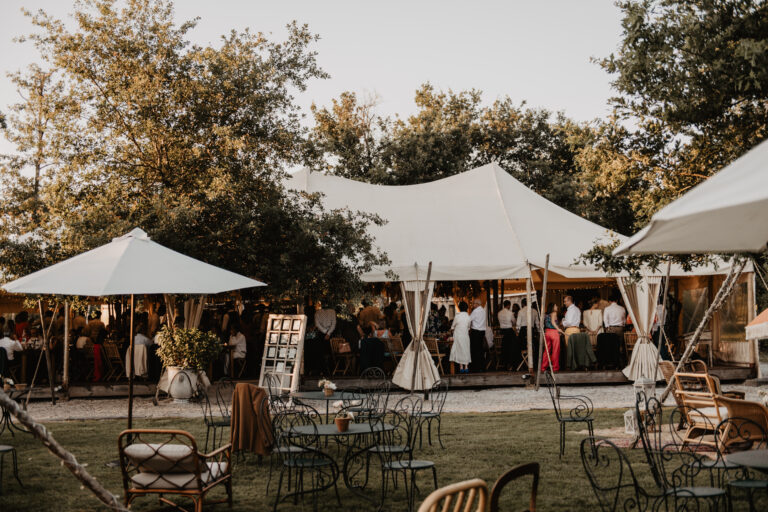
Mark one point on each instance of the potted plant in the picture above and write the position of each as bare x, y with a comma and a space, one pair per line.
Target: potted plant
328, 387
343, 419
184, 352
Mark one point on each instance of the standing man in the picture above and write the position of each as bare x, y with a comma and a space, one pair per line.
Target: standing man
510, 349
572, 318
477, 327
614, 319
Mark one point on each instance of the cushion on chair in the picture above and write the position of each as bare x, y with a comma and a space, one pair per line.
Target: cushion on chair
708, 413
161, 458
179, 481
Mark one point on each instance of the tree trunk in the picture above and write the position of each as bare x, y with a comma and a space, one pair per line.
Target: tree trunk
40, 432
725, 290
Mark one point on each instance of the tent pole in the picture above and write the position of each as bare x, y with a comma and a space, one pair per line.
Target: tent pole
65, 363
725, 290
46, 349
130, 372
662, 323
542, 312
529, 319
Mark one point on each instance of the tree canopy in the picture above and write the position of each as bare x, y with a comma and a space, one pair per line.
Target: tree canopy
189, 142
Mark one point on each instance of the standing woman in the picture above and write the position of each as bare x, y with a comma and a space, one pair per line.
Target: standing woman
552, 336
460, 352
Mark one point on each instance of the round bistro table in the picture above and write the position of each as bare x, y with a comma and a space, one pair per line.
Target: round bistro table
753, 459
319, 396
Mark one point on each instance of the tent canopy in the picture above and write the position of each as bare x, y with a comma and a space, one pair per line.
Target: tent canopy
757, 329
724, 214
477, 225
130, 264
480, 224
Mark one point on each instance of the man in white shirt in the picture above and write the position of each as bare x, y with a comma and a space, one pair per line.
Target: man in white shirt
614, 318
522, 317
572, 318
477, 345
237, 342
10, 345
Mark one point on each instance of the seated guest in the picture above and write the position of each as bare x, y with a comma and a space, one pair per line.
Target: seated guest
236, 340
11, 345
371, 350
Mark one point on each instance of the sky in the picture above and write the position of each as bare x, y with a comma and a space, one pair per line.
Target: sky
533, 51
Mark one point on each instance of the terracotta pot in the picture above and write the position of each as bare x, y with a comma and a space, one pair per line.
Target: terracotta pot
342, 424
328, 391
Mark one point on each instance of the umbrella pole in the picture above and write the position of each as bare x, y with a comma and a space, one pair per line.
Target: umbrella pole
417, 339
65, 363
130, 371
46, 349
542, 336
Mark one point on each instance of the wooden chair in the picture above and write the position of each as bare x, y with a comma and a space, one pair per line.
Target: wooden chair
532, 468
630, 339
396, 349
167, 462
754, 412
434, 351
699, 407
114, 363
342, 360
467, 496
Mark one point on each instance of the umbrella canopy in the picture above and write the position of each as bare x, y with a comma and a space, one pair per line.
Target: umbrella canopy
724, 214
130, 264
757, 329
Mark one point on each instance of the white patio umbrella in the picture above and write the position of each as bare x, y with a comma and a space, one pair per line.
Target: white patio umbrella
128, 265
724, 214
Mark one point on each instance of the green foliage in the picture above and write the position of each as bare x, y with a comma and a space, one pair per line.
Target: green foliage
188, 348
187, 142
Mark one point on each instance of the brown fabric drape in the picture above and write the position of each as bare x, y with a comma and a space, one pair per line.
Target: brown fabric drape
250, 424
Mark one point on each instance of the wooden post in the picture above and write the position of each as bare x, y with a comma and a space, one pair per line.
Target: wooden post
663, 320
529, 318
47, 351
65, 363
130, 372
725, 290
67, 459
542, 313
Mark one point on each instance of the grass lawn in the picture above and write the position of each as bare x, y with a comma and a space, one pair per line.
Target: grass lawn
478, 445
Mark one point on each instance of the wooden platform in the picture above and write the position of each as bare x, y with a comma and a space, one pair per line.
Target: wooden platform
513, 379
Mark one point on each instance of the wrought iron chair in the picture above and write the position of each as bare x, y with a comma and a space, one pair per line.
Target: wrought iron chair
462, 496
532, 469
312, 470
437, 397
167, 462
676, 467
363, 402
217, 417
580, 412
6, 449
611, 477
395, 447
740, 434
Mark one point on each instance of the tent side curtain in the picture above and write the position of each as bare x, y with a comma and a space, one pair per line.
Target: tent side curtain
641, 298
416, 359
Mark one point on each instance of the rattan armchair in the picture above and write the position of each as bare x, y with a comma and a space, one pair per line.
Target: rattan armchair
467, 496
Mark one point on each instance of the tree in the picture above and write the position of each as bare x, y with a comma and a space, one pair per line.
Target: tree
189, 142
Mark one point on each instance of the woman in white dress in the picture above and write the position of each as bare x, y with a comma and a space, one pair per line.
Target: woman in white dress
460, 350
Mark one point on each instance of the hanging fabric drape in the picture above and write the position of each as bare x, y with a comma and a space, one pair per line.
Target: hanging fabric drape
641, 298
416, 370
193, 312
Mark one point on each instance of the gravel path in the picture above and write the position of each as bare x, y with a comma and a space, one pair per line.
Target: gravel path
486, 400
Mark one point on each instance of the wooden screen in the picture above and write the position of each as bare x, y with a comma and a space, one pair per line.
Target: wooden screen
283, 350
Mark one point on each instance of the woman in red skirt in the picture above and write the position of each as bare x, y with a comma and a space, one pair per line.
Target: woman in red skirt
552, 333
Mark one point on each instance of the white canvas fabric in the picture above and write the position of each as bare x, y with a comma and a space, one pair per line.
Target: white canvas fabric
130, 264
416, 357
480, 224
724, 214
758, 328
641, 298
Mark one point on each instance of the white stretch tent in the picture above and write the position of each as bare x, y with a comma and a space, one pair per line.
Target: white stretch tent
477, 225
724, 214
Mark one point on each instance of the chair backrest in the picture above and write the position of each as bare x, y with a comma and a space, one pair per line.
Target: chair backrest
437, 396
378, 387
335, 344
431, 345
532, 469
611, 477
648, 413
739, 434
467, 496
205, 402
158, 458
225, 389
753, 411
396, 344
